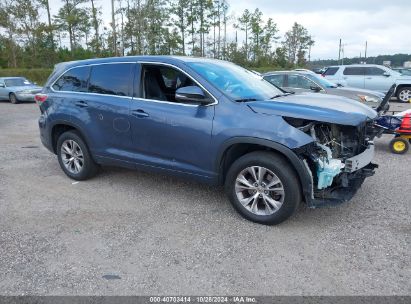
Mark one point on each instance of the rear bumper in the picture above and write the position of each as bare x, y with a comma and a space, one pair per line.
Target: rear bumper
25, 96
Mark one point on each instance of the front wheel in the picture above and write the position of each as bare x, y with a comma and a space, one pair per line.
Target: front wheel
263, 188
74, 156
13, 99
404, 94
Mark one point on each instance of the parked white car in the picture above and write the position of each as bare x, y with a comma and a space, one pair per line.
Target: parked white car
371, 77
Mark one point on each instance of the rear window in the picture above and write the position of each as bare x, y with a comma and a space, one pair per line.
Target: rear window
354, 71
330, 71
74, 80
111, 79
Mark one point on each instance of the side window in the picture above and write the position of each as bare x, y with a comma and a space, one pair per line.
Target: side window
161, 82
74, 80
111, 79
297, 81
331, 71
277, 80
373, 71
357, 71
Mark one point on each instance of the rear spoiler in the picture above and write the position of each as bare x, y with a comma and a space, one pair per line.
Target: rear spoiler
386, 98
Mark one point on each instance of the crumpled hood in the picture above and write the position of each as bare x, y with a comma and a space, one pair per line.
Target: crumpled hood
311, 106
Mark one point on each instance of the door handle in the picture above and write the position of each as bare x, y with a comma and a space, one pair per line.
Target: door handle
368, 77
139, 113
81, 104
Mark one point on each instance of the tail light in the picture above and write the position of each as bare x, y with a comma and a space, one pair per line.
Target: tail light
40, 98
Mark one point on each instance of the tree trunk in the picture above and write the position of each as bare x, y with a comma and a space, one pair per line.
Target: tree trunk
95, 24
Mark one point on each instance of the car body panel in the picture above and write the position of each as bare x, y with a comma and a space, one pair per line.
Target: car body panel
349, 92
380, 83
23, 93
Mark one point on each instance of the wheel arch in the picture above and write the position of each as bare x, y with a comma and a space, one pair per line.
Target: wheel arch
239, 146
59, 128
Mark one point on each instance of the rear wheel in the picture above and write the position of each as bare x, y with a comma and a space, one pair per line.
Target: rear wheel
399, 145
404, 94
74, 156
13, 99
263, 188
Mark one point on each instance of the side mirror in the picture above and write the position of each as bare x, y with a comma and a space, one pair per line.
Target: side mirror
2, 85
386, 74
192, 94
339, 85
315, 88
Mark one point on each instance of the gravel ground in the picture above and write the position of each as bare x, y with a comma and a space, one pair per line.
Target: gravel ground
133, 233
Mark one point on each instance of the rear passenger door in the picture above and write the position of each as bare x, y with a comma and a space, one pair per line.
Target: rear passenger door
107, 105
354, 77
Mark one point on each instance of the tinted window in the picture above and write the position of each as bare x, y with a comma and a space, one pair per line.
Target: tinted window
354, 71
17, 82
297, 81
74, 80
112, 79
331, 71
277, 80
374, 71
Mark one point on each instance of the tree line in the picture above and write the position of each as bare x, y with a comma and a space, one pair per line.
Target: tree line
31, 37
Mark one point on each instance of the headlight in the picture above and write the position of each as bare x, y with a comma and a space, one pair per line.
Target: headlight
365, 98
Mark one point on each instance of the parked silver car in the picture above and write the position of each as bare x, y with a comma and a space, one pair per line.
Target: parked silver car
16, 89
306, 81
371, 77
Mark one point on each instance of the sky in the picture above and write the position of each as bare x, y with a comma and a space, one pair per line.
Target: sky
384, 24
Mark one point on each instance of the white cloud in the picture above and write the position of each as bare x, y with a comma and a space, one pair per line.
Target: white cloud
386, 25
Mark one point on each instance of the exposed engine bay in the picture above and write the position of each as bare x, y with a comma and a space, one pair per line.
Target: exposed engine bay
339, 158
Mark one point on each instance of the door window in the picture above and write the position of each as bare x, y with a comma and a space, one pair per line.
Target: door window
161, 82
330, 71
357, 71
373, 71
74, 80
300, 82
277, 80
111, 79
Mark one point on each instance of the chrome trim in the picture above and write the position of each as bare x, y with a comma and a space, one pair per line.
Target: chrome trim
130, 97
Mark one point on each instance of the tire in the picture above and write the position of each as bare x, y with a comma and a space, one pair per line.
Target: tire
259, 210
404, 94
13, 99
399, 145
80, 168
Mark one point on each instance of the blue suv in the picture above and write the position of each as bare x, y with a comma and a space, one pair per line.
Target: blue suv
211, 121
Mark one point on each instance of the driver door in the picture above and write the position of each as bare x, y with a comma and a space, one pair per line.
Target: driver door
166, 133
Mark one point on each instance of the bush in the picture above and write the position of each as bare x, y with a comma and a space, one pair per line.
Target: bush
36, 75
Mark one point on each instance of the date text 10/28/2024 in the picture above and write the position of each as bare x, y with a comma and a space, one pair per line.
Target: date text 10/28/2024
204, 299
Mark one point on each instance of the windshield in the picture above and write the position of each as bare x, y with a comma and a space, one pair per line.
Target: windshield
321, 80
235, 81
17, 82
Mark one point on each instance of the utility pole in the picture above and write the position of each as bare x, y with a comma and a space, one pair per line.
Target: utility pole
113, 24
365, 55
339, 52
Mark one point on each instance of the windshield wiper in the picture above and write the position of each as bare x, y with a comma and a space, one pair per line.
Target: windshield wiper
281, 95
246, 99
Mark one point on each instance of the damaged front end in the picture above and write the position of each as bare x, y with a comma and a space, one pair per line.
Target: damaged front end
338, 159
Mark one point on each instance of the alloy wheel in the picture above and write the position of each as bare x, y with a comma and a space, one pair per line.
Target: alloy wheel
72, 156
259, 190
405, 95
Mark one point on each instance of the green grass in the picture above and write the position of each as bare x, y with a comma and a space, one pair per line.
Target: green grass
36, 75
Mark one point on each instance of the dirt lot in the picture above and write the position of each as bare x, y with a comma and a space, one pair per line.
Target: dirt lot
127, 232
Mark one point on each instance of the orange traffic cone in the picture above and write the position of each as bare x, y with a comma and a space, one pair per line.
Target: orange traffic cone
405, 124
